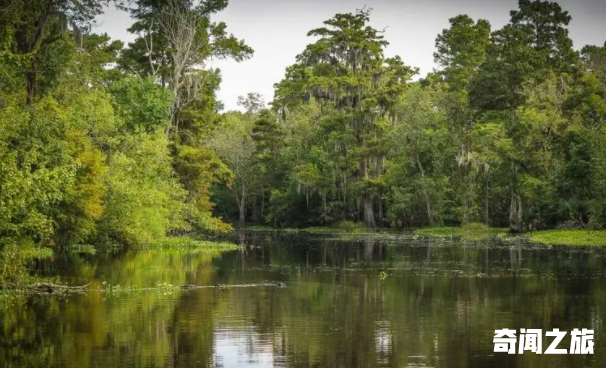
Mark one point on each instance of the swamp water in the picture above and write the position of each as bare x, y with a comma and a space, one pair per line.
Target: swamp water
389, 301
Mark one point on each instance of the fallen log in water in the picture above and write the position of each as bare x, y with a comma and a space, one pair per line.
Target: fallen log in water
47, 288
265, 284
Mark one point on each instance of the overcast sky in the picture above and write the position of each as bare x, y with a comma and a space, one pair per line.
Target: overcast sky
277, 29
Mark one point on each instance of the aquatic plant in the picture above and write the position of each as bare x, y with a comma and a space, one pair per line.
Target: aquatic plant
569, 237
189, 243
472, 231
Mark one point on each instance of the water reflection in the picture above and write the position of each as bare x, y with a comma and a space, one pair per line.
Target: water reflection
437, 306
242, 348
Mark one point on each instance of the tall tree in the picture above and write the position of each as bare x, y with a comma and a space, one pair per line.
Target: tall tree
460, 51
234, 144
533, 45
176, 39
37, 26
345, 67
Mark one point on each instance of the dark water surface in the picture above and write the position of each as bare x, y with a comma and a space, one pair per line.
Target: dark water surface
367, 302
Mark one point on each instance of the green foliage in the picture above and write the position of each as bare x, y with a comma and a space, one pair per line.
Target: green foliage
199, 168
35, 170
461, 49
15, 260
87, 161
37, 32
76, 216
144, 197
141, 103
175, 38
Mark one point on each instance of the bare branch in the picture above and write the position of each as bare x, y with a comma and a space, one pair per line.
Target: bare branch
180, 25
149, 46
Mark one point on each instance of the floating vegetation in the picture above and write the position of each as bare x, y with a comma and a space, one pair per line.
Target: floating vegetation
189, 244
165, 288
311, 230
472, 231
570, 237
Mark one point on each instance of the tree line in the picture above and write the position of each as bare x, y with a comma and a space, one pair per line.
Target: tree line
106, 142
506, 131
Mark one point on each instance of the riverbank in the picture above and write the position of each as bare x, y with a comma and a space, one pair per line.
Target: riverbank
470, 231
473, 231
565, 237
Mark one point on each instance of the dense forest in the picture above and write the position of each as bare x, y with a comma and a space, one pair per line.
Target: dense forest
104, 142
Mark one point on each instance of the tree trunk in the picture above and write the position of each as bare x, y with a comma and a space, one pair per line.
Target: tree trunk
512, 210
262, 206
31, 82
486, 202
520, 222
381, 221
515, 205
367, 205
242, 221
426, 194
369, 214
27, 45
380, 214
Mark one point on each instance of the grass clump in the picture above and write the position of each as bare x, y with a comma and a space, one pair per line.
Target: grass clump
471, 231
189, 243
570, 237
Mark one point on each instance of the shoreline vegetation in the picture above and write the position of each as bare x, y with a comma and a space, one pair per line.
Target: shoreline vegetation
473, 231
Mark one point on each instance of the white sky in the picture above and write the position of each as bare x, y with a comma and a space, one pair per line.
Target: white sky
277, 29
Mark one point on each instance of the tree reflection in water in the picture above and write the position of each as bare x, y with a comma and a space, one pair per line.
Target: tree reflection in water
438, 305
